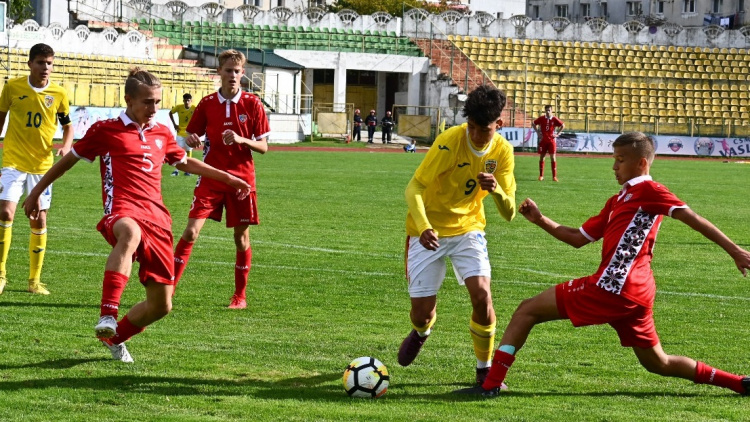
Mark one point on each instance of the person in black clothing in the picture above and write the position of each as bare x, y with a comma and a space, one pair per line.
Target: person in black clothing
357, 130
387, 124
371, 121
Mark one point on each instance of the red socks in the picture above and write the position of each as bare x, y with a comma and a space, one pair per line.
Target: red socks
554, 169
541, 168
112, 287
705, 374
241, 271
181, 256
125, 330
501, 362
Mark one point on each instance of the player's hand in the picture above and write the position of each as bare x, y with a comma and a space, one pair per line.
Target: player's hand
530, 210
31, 207
62, 151
429, 240
742, 260
487, 181
193, 141
243, 188
229, 137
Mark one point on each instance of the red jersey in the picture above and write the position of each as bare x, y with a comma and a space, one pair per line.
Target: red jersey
131, 161
629, 223
245, 115
547, 127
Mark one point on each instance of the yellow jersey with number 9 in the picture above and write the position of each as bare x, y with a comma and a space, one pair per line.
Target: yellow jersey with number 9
183, 115
32, 123
453, 197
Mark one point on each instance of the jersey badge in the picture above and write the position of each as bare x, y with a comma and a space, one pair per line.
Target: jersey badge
49, 100
627, 197
158, 143
490, 166
243, 118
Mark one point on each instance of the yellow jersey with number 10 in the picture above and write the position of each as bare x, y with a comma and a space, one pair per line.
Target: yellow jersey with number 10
32, 123
452, 195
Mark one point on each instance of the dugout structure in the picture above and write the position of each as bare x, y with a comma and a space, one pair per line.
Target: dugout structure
420, 122
332, 119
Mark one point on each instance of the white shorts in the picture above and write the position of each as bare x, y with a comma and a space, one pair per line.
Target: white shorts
425, 269
14, 183
181, 142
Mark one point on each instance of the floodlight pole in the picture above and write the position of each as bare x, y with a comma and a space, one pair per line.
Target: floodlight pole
525, 91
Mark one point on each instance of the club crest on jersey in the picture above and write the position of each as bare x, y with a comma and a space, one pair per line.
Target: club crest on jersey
49, 100
627, 197
490, 166
158, 143
243, 118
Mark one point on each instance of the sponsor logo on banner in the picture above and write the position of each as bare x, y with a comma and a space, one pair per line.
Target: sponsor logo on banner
675, 144
490, 166
48, 101
703, 146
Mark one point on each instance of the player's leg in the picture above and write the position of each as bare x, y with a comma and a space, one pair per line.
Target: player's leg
37, 249
184, 247
482, 323
12, 184
425, 271
125, 236
656, 361
553, 162
542, 153
243, 262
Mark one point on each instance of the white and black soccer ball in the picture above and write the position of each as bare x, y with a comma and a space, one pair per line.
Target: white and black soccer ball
366, 377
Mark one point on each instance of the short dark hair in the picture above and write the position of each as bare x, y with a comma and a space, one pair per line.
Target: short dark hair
547, 107
484, 105
187, 97
40, 50
641, 144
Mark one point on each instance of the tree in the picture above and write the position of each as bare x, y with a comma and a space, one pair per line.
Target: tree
394, 7
19, 10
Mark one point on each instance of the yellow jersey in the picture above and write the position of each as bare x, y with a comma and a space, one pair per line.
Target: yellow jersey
452, 196
184, 115
32, 122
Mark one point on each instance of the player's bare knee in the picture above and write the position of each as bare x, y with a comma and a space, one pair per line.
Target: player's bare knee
190, 235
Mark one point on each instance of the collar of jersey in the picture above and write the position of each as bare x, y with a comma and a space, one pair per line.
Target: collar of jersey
634, 181
127, 121
476, 151
28, 81
235, 99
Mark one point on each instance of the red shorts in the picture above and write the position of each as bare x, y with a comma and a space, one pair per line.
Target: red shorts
584, 303
154, 253
208, 203
547, 147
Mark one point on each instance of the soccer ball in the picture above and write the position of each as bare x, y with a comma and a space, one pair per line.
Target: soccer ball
366, 377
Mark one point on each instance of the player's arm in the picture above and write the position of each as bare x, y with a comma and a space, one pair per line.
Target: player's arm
706, 228
257, 145
171, 112
31, 204
191, 165
562, 126
3, 114
67, 138
569, 235
415, 201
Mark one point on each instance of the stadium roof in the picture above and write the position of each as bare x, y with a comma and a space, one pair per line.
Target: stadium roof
261, 57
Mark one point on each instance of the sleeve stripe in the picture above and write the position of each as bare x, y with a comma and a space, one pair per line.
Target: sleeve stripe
586, 235
671, 209
73, 150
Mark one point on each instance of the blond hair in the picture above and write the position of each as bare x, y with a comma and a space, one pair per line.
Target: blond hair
137, 77
639, 142
235, 56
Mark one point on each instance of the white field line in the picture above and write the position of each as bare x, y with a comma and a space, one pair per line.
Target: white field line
400, 274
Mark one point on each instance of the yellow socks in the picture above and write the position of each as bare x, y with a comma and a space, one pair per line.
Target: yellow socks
6, 232
427, 329
37, 247
483, 337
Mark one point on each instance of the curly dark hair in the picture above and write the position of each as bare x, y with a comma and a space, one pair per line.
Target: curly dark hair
41, 50
484, 105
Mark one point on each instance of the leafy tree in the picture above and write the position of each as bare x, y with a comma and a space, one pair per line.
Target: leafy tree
19, 10
394, 7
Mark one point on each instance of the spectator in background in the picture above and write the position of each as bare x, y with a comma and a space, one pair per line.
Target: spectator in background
357, 130
371, 121
387, 125
412, 147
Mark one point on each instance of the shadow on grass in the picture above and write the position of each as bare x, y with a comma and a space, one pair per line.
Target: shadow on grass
316, 387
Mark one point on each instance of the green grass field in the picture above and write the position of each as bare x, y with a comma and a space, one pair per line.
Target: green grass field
327, 286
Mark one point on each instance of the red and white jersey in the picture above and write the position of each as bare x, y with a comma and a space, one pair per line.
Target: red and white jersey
629, 223
244, 114
131, 161
547, 127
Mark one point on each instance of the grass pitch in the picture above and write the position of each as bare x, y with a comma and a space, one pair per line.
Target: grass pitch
327, 286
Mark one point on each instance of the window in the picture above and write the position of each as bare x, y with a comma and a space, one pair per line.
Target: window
688, 6
561, 10
605, 10
717, 6
634, 8
257, 3
585, 10
535, 11
660, 7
